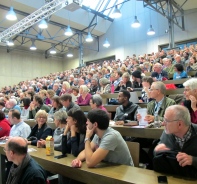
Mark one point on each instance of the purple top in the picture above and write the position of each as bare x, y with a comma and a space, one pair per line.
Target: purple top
81, 101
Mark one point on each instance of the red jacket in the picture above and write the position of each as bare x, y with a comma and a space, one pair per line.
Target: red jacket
4, 128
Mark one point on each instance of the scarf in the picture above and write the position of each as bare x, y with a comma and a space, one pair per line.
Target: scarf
16, 172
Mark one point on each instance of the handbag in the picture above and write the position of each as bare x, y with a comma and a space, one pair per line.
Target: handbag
166, 162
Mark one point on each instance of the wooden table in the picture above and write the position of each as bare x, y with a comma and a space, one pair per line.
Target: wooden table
137, 131
103, 173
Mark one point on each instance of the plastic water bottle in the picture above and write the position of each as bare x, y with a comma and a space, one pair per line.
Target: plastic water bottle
157, 122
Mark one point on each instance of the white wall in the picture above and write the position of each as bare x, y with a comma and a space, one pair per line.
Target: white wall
18, 66
126, 40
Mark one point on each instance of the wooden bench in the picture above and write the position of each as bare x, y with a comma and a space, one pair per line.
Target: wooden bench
103, 173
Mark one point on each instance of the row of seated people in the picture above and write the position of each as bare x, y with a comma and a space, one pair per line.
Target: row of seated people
93, 141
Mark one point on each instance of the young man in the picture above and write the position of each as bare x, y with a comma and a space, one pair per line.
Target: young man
107, 144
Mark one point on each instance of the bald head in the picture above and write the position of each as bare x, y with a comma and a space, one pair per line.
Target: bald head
18, 145
180, 112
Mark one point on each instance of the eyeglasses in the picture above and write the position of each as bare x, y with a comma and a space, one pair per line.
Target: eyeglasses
187, 89
42, 117
152, 89
5, 150
168, 121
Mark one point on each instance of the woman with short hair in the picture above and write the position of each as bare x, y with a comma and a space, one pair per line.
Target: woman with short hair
96, 102
84, 98
41, 130
105, 85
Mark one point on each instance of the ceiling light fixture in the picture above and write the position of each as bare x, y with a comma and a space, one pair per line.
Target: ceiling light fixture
53, 50
33, 46
135, 23
11, 15
69, 54
150, 31
68, 31
10, 42
43, 24
89, 37
106, 43
116, 13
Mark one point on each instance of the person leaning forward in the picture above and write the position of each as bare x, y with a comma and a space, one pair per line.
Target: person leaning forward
180, 136
159, 105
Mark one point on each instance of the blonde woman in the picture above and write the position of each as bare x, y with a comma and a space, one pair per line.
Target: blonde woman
50, 95
65, 88
43, 95
41, 129
84, 98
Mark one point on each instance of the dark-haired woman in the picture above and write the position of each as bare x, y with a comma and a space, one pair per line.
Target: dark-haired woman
74, 134
25, 111
56, 106
179, 72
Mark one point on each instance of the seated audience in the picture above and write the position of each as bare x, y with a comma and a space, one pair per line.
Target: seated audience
124, 83
137, 80
180, 137
60, 122
146, 83
84, 98
19, 128
94, 87
41, 130
157, 106
56, 106
75, 94
66, 101
65, 88
4, 125
96, 102
105, 86
13, 105
50, 95
169, 66
179, 72
159, 74
25, 109
24, 169
107, 144
192, 65
43, 95
37, 105
127, 110
190, 101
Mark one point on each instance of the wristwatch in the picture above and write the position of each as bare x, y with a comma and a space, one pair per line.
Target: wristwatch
86, 139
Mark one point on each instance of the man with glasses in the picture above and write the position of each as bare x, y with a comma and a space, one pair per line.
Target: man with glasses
158, 106
24, 169
179, 135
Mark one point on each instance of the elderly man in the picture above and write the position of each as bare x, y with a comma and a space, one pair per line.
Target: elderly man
13, 105
56, 89
94, 87
158, 106
159, 74
127, 110
169, 66
179, 136
24, 169
107, 144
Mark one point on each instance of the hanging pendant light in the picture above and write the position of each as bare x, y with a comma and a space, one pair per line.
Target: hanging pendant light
53, 50
10, 42
135, 23
89, 37
68, 31
116, 13
106, 43
11, 15
33, 46
150, 31
43, 24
